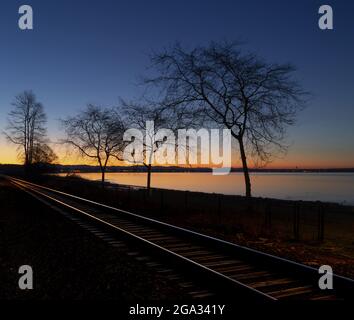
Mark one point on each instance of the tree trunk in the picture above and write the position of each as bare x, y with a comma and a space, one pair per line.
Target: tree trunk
103, 177
245, 168
148, 184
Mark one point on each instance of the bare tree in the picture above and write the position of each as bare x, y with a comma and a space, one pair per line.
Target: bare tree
219, 84
138, 116
26, 125
44, 154
97, 134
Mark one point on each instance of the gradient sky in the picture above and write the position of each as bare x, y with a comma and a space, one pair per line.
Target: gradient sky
94, 52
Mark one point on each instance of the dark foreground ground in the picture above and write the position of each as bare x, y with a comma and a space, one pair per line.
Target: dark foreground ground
68, 262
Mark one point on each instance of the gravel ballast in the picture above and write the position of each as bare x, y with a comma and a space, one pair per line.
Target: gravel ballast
68, 262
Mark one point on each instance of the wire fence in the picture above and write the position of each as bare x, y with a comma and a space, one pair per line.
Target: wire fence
287, 219
298, 220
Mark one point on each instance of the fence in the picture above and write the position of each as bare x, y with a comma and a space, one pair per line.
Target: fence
298, 220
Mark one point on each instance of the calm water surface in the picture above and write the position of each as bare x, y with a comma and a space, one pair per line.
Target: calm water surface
332, 187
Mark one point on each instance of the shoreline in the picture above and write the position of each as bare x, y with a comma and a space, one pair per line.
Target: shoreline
346, 203
67, 168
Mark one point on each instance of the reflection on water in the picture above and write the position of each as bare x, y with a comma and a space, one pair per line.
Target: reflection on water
332, 187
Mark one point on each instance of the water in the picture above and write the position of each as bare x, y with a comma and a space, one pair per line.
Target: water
330, 187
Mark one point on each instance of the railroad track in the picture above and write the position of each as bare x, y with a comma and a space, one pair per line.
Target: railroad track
224, 267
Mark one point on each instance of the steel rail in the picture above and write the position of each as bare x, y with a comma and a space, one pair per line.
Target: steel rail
275, 262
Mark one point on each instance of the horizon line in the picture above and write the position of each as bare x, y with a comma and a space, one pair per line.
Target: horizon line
191, 168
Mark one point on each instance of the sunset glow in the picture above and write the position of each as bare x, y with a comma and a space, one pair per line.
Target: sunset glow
314, 142
177, 159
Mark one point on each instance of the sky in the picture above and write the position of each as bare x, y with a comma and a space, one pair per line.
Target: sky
95, 52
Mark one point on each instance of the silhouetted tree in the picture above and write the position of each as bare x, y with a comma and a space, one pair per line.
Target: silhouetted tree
97, 134
44, 154
219, 84
26, 126
137, 116
44, 159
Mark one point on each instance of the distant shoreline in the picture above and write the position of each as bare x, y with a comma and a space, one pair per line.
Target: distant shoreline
111, 169
324, 187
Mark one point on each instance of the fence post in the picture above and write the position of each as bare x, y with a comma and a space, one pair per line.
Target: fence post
219, 204
268, 215
297, 220
186, 200
144, 193
320, 222
161, 200
128, 198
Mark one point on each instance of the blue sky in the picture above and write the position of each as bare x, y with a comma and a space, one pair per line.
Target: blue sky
94, 52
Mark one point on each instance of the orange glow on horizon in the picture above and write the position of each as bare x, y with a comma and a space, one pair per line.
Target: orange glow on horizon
8, 155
